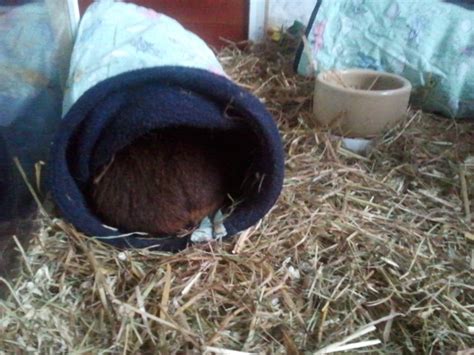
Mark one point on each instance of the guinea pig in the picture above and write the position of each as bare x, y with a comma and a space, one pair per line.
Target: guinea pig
166, 182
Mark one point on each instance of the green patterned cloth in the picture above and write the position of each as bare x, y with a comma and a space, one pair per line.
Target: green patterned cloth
429, 42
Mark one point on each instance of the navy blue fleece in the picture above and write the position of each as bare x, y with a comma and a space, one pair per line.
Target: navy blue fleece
114, 112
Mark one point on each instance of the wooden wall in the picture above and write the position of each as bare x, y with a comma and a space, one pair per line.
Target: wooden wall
210, 19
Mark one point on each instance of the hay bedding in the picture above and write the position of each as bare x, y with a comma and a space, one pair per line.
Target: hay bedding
360, 253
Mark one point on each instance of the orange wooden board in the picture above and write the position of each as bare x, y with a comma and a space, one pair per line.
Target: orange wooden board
210, 19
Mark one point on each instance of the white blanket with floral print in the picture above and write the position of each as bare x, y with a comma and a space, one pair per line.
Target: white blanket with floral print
430, 42
126, 37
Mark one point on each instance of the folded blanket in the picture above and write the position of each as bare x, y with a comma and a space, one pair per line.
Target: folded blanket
134, 71
31, 59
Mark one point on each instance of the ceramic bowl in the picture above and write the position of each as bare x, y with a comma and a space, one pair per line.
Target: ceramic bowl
360, 103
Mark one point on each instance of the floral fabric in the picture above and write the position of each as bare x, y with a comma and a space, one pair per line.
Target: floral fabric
429, 42
146, 39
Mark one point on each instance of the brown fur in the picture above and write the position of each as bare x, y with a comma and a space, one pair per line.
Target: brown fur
164, 183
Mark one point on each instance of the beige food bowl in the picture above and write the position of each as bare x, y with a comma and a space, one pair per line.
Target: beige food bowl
360, 103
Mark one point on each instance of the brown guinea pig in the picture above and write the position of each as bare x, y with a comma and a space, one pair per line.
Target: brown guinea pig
163, 183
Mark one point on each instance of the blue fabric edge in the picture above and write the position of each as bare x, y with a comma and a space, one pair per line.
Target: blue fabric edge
68, 197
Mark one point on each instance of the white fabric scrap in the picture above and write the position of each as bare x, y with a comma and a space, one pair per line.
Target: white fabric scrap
218, 223
210, 230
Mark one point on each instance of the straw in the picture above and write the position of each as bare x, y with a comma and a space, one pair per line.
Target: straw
359, 254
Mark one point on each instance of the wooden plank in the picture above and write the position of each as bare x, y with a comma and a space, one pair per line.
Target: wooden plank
210, 19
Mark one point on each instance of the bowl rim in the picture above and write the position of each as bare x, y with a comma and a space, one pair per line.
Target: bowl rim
406, 85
